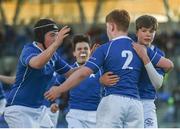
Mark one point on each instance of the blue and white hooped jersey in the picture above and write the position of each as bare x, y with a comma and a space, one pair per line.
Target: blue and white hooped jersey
119, 57
146, 89
31, 83
87, 95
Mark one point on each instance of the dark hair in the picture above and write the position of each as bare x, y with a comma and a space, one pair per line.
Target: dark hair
146, 21
120, 17
80, 38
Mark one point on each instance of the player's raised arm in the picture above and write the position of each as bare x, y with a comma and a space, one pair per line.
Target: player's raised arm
41, 59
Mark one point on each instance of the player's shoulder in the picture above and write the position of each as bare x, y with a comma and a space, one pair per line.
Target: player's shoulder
158, 50
104, 46
28, 48
29, 45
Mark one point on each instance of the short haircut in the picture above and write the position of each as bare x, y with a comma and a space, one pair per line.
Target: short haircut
80, 38
146, 21
120, 17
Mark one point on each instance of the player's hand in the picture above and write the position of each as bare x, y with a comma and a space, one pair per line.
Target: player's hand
52, 93
94, 47
109, 79
64, 32
54, 107
141, 50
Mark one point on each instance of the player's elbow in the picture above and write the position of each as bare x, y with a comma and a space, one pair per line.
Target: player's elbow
85, 72
170, 66
35, 64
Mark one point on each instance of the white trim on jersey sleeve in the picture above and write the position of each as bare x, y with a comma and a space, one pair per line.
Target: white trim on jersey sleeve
154, 56
22, 62
30, 56
94, 64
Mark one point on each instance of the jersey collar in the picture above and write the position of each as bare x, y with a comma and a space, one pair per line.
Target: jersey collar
35, 44
121, 37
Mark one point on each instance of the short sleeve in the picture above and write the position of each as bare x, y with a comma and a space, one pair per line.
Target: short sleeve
160, 70
96, 60
27, 53
154, 56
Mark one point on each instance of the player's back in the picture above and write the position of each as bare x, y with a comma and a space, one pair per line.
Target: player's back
119, 57
122, 60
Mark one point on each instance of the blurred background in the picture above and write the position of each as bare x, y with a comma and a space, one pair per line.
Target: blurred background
17, 18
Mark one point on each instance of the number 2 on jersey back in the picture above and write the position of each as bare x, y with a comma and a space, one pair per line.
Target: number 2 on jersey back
129, 56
